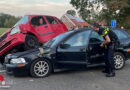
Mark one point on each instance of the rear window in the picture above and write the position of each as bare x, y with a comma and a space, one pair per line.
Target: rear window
51, 20
120, 34
59, 21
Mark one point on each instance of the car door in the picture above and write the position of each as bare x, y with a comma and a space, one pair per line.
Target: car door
74, 51
61, 26
41, 30
124, 38
96, 52
54, 25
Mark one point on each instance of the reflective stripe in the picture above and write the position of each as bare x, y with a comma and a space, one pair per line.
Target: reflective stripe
106, 32
105, 46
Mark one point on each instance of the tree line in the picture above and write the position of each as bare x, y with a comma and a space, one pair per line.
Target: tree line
7, 21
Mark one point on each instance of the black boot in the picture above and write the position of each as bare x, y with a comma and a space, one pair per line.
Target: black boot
105, 71
111, 74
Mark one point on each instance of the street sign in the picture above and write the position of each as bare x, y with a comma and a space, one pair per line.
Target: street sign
113, 23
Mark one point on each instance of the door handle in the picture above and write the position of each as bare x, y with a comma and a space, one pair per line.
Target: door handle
90, 48
46, 26
82, 49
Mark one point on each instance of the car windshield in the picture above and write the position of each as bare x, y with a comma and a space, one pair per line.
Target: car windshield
55, 40
23, 20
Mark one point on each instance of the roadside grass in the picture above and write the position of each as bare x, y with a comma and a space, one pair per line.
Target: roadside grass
2, 30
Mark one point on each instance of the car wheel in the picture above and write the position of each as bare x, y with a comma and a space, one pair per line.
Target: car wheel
31, 42
119, 60
40, 68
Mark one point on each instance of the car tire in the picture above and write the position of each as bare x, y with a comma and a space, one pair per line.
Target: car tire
119, 60
38, 71
31, 42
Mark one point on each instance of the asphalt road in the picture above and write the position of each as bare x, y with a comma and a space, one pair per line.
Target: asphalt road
91, 79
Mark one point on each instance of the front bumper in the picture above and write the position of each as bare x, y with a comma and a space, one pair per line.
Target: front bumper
13, 69
11, 41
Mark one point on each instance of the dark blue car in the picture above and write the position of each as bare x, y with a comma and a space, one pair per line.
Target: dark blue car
72, 50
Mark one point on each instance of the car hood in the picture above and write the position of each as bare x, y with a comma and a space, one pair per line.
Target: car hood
20, 54
32, 54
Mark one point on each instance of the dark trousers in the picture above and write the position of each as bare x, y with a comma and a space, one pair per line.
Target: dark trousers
109, 59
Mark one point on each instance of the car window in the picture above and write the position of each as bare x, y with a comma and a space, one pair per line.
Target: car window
95, 37
120, 34
59, 21
56, 40
51, 20
79, 39
23, 20
35, 21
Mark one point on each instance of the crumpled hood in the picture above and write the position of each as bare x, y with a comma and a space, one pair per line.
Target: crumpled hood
19, 54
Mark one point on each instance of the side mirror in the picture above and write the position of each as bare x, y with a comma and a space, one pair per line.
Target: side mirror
64, 46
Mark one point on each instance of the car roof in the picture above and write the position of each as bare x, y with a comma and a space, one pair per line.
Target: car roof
116, 29
91, 29
32, 15
82, 29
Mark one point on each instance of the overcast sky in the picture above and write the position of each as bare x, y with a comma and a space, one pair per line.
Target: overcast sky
24, 7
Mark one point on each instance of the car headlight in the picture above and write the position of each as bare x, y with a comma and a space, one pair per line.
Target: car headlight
15, 30
18, 60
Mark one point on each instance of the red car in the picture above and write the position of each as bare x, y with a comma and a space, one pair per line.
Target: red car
29, 32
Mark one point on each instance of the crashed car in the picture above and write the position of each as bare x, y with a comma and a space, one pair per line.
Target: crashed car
30, 32
72, 50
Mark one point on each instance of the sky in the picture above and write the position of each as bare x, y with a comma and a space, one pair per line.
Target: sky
24, 7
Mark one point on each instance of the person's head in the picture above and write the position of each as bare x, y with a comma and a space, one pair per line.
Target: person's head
41, 21
122, 27
101, 24
96, 27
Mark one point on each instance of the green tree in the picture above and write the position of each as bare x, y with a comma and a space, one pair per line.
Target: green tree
117, 9
7, 20
94, 10
87, 9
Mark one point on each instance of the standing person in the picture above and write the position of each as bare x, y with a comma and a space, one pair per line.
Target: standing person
109, 45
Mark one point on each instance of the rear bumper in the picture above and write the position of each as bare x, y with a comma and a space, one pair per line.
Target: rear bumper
12, 41
12, 69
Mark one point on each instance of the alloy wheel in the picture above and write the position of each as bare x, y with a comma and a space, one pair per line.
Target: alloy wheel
119, 61
41, 68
